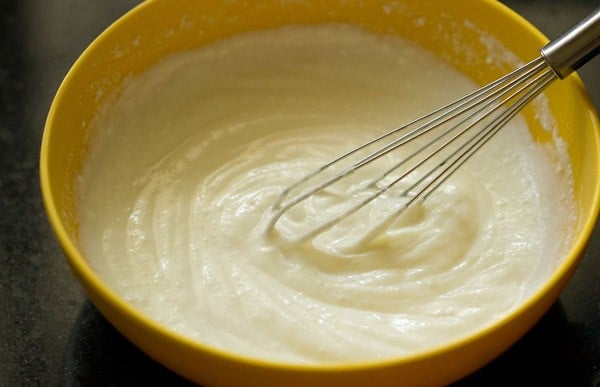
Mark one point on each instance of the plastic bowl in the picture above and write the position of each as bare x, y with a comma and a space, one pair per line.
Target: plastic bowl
472, 35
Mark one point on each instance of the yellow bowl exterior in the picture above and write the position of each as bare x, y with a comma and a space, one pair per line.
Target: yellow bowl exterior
157, 28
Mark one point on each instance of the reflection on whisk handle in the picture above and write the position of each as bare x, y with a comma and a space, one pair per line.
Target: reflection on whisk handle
575, 47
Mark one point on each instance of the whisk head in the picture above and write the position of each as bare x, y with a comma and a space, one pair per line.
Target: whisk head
434, 147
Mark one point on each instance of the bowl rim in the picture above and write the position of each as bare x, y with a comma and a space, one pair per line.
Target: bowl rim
83, 270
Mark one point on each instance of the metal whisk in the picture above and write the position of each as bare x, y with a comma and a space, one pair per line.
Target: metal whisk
451, 135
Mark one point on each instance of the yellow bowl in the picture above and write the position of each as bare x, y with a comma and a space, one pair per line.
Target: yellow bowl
460, 32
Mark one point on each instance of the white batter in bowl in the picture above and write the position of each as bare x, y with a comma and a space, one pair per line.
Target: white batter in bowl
189, 157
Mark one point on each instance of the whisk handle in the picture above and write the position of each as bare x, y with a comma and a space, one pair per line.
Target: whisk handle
575, 47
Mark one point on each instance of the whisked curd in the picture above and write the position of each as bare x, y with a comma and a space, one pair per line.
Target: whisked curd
187, 160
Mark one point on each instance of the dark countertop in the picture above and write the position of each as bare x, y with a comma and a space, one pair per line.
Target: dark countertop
52, 335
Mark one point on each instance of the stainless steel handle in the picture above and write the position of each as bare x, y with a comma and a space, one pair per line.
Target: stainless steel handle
575, 47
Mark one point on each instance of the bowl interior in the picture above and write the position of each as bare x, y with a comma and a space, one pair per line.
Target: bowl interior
481, 38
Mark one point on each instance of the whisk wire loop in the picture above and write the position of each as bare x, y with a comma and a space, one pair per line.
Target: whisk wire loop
479, 105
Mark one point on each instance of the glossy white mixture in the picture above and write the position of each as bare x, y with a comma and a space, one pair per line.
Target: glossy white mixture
189, 158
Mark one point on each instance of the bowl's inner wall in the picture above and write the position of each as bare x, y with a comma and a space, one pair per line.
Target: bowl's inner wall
472, 43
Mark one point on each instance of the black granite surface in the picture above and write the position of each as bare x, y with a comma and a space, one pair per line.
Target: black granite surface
51, 335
